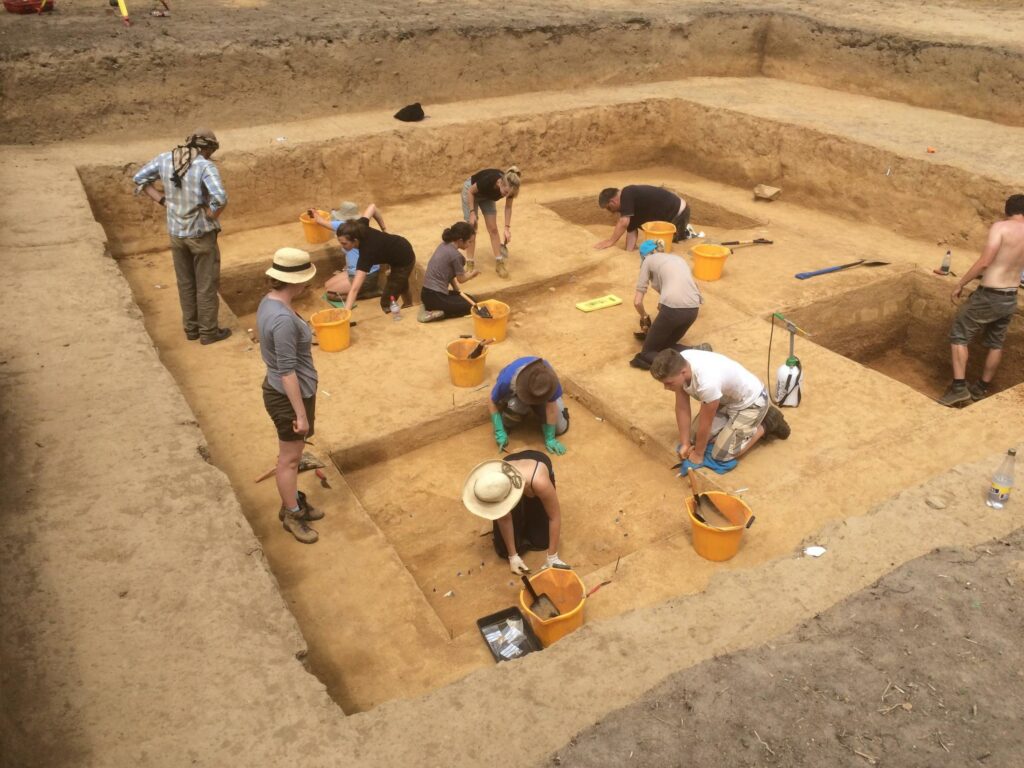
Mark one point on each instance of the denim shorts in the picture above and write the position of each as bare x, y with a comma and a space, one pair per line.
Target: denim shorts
487, 207
987, 309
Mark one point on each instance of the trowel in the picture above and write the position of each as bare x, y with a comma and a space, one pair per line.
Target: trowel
542, 605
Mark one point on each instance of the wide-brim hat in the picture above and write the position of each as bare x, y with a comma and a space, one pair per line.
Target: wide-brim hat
492, 489
291, 265
347, 210
535, 383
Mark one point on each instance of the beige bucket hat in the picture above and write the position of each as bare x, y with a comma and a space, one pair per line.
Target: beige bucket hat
291, 265
492, 489
347, 210
535, 383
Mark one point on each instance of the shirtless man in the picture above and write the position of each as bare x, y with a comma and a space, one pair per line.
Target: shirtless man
991, 306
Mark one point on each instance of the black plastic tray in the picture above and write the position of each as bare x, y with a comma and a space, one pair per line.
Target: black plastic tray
532, 643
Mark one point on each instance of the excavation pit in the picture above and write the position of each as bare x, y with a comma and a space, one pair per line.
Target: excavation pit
900, 328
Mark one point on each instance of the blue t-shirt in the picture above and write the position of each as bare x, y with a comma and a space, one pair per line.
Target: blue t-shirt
351, 257
503, 386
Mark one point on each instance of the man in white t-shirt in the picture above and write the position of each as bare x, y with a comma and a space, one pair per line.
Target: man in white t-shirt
735, 410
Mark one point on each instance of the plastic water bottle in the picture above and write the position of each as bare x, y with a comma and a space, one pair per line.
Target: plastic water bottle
1002, 482
396, 310
947, 260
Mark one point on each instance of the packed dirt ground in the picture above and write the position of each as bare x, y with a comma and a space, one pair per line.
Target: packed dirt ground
154, 611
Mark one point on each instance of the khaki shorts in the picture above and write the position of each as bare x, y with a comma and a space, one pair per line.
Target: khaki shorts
732, 430
987, 309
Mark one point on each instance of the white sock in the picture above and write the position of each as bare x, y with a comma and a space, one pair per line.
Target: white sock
553, 558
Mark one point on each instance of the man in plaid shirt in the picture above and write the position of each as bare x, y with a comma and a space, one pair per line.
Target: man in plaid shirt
195, 198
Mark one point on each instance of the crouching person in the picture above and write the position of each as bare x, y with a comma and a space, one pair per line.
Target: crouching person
735, 412
528, 386
518, 495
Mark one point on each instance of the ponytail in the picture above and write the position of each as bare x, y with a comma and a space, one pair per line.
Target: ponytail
460, 230
513, 177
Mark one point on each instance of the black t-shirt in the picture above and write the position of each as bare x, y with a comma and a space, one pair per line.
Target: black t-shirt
383, 248
643, 203
487, 183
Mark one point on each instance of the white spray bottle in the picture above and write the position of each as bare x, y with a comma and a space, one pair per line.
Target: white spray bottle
789, 378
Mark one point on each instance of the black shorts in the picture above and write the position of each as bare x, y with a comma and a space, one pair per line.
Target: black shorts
282, 414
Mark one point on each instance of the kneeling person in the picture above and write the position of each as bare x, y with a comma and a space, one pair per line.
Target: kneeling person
518, 495
735, 411
524, 386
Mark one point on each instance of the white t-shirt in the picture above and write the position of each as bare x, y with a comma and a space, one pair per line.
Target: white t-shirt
716, 377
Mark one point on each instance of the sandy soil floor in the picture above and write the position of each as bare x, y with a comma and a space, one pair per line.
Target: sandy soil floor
154, 611
922, 668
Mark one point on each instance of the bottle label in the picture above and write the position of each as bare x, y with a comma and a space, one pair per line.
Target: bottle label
1001, 492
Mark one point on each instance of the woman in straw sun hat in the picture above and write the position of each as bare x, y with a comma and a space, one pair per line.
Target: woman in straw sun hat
518, 495
289, 389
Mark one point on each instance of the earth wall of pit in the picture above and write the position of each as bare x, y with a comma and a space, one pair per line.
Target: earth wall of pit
93, 86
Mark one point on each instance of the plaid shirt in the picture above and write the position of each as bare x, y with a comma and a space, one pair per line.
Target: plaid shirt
201, 186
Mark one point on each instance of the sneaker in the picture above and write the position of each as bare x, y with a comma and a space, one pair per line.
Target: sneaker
501, 269
297, 527
219, 335
429, 315
955, 395
775, 423
978, 390
557, 562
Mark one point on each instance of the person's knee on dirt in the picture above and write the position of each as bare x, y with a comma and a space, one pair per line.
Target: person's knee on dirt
194, 196
733, 405
445, 274
991, 306
289, 388
524, 386
480, 193
518, 495
637, 204
377, 248
679, 301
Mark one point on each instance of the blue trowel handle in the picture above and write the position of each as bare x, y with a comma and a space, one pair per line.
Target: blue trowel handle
826, 270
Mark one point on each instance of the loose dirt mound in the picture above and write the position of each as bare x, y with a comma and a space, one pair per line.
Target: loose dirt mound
924, 668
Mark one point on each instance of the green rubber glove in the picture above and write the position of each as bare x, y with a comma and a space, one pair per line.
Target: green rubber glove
550, 442
500, 435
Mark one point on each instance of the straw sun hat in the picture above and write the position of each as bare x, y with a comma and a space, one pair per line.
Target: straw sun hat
347, 210
535, 383
492, 489
291, 265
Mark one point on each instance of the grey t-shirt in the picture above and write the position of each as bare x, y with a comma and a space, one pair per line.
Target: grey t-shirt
443, 266
671, 277
286, 343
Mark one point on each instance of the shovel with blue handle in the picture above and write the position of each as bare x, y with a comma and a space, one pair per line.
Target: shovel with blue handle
827, 270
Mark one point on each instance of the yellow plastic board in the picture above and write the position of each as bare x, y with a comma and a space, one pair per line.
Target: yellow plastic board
603, 302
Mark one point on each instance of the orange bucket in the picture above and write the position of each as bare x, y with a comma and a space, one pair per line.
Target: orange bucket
567, 592
332, 329
314, 232
463, 371
708, 261
659, 230
495, 327
714, 543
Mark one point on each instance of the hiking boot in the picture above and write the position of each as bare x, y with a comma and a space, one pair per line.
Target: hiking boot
501, 268
639, 362
219, 335
978, 390
956, 394
775, 423
430, 315
297, 527
307, 510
